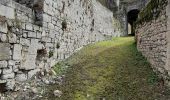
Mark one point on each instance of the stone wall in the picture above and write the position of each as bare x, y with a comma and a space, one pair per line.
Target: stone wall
34, 37
167, 66
152, 34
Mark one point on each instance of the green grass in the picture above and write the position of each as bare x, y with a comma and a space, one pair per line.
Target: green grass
60, 68
113, 70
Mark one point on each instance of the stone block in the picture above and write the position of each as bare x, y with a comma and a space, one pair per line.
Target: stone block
46, 39
28, 63
36, 28
7, 12
167, 9
8, 76
32, 50
17, 52
11, 63
46, 18
45, 24
32, 34
7, 70
3, 26
21, 77
23, 26
25, 35
6, 2
32, 73
2, 81
24, 41
3, 37
12, 38
50, 26
52, 34
10, 84
4, 51
29, 27
16, 68
3, 64
39, 35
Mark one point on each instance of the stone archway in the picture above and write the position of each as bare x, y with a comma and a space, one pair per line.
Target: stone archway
132, 16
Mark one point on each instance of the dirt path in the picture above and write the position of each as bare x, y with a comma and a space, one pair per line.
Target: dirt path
110, 70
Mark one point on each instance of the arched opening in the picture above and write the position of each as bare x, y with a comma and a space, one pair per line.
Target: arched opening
132, 17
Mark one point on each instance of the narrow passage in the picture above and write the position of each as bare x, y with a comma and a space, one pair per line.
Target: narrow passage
110, 70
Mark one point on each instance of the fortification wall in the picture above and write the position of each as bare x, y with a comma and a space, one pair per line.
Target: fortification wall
152, 35
36, 35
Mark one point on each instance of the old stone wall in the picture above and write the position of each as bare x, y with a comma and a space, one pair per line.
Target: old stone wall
34, 37
152, 34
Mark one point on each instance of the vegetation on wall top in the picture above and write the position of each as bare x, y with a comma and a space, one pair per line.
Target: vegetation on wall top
151, 11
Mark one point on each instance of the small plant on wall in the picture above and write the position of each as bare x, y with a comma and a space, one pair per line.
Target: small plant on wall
58, 45
64, 24
51, 53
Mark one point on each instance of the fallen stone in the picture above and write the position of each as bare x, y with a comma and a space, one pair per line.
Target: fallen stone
46, 81
10, 84
34, 90
26, 87
57, 93
32, 73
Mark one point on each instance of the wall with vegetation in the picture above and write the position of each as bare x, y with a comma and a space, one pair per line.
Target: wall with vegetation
36, 34
152, 35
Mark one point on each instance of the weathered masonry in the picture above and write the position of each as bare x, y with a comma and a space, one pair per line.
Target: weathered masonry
36, 34
126, 11
153, 35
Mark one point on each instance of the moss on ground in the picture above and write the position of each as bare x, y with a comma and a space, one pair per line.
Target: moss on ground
109, 70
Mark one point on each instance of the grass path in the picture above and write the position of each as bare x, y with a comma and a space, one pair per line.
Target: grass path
110, 70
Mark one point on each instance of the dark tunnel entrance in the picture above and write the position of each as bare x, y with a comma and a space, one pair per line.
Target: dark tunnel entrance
132, 17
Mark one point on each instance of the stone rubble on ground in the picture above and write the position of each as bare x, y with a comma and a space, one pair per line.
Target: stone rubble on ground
32, 89
57, 93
